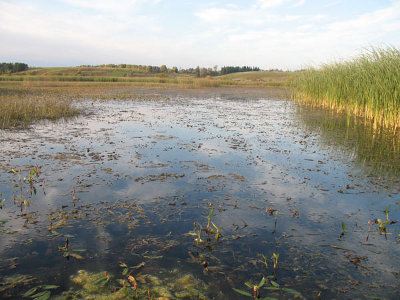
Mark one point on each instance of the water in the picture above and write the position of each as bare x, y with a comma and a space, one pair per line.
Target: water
127, 182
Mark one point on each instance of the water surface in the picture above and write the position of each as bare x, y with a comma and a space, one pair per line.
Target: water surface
128, 180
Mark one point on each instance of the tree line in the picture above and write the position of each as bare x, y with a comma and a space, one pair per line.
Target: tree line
13, 67
237, 69
198, 71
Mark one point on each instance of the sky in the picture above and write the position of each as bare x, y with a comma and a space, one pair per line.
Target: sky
284, 34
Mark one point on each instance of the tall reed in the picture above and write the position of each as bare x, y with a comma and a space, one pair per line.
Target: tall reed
367, 86
21, 111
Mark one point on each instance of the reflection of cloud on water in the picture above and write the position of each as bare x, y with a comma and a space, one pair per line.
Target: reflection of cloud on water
147, 192
319, 223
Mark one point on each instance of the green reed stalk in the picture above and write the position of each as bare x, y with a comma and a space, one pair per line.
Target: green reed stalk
367, 86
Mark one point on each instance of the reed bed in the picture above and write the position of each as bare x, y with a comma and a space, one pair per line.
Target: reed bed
174, 81
367, 86
23, 109
27, 98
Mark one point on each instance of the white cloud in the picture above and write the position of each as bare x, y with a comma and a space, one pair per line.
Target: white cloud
270, 3
90, 32
276, 3
109, 6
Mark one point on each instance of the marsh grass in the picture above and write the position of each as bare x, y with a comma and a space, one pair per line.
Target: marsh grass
26, 97
367, 86
249, 79
21, 109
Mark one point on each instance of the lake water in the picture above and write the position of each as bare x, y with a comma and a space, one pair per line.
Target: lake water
132, 183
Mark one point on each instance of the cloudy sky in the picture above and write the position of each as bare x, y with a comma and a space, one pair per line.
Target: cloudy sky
285, 34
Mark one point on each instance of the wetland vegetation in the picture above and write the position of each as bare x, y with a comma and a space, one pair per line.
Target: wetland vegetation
367, 86
196, 194
139, 183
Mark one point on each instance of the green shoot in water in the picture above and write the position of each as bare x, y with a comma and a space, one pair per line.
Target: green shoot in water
275, 260
255, 289
344, 230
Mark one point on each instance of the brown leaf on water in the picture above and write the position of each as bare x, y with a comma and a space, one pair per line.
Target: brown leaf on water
132, 281
271, 211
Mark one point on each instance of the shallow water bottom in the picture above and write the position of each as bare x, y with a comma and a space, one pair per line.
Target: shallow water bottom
193, 194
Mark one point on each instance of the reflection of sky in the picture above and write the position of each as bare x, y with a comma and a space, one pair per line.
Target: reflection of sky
284, 167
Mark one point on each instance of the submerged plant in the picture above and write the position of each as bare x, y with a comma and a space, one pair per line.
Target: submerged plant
41, 292
264, 260
68, 252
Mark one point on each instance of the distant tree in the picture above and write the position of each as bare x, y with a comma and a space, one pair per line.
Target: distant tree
236, 69
163, 69
198, 74
174, 70
13, 67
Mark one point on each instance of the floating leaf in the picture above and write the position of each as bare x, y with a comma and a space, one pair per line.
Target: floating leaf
49, 287
243, 293
292, 291
102, 281
75, 255
262, 282
275, 284
30, 292
45, 295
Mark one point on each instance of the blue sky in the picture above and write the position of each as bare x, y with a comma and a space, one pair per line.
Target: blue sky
286, 34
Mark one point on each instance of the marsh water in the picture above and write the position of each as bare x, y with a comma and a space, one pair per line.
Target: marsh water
130, 183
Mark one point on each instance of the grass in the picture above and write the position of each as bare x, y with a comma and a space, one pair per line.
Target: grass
48, 93
367, 86
251, 79
20, 108
267, 78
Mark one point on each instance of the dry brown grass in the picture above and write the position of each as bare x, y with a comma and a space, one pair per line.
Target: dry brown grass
21, 107
34, 98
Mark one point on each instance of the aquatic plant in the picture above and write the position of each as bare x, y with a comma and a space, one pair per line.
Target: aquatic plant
33, 175
367, 86
103, 285
382, 224
68, 252
21, 198
22, 110
11, 282
2, 201
268, 284
264, 260
41, 292
255, 289
210, 229
275, 260
196, 233
344, 230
